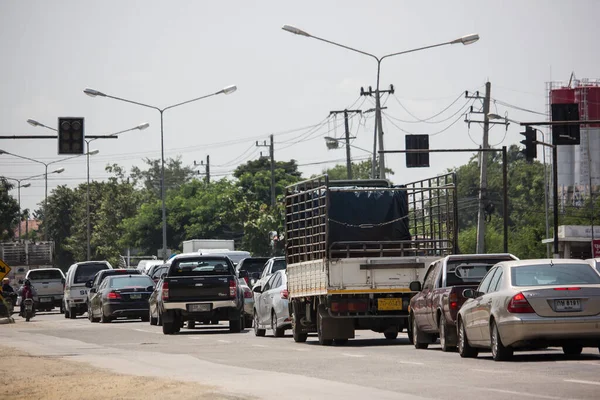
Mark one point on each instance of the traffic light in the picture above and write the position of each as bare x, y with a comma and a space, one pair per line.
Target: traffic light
530, 149
70, 136
565, 134
417, 142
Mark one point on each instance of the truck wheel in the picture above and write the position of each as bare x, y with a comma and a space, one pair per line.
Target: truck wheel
391, 335
299, 337
153, 321
66, 311
322, 341
248, 320
73, 313
235, 326
257, 330
191, 324
464, 348
340, 342
417, 335
443, 329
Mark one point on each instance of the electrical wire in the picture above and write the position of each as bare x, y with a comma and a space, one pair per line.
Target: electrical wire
428, 120
431, 134
505, 104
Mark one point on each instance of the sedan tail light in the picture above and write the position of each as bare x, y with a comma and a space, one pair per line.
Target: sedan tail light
285, 294
247, 294
165, 291
113, 296
519, 305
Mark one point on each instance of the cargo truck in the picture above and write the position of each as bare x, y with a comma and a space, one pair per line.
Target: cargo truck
354, 247
193, 245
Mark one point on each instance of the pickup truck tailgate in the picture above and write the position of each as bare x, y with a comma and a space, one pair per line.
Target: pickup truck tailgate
199, 288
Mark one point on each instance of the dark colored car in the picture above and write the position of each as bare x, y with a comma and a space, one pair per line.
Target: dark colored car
250, 268
99, 278
158, 272
121, 296
152, 270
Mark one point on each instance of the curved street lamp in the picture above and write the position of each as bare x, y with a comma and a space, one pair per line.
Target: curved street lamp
378, 134
95, 93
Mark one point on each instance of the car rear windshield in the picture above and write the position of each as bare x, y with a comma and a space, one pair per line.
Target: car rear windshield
131, 281
45, 275
86, 272
553, 275
279, 265
113, 272
468, 272
201, 266
253, 265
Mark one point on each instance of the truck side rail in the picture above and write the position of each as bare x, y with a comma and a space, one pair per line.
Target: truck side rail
402, 248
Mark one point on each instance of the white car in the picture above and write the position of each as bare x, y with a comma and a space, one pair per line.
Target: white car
75, 292
48, 284
271, 305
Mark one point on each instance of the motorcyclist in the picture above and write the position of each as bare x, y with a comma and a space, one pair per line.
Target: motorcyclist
6, 288
27, 291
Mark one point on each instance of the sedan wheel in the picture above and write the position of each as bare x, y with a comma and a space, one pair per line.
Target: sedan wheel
277, 332
499, 352
464, 349
257, 330
572, 350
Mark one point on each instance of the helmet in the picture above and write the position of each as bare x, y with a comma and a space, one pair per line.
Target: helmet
27, 282
5, 280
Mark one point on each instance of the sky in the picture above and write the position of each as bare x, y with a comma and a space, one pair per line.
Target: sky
162, 53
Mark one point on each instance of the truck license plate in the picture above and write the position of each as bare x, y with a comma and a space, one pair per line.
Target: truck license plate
567, 305
389, 304
45, 299
198, 307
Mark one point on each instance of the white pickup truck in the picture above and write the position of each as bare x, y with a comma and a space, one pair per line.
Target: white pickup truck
48, 284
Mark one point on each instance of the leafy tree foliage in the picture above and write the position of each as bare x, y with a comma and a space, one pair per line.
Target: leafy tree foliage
360, 170
9, 210
175, 175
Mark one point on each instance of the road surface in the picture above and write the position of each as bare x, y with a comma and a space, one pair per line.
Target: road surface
267, 367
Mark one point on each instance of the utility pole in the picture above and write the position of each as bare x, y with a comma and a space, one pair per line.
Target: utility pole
347, 129
271, 147
378, 129
206, 167
482, 166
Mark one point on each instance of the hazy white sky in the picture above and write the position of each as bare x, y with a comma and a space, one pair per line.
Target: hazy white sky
165, 52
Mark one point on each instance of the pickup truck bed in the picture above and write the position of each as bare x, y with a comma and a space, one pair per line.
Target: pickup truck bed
200, 288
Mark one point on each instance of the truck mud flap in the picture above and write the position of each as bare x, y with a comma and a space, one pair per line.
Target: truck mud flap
335, 328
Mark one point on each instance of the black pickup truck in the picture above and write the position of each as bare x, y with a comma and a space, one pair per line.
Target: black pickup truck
200, 288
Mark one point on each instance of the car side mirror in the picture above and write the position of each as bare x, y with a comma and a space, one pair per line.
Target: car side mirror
163, 276
257, 289
470, 294
88, 284
415, 286
150, 288
93, 290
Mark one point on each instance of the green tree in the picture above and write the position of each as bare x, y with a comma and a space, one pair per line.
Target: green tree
175, 175
254, 178
9, 210
360, 170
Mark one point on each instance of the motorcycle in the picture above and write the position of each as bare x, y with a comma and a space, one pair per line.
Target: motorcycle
28, 309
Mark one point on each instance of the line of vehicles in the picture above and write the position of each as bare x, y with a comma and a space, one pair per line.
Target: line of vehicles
360, 255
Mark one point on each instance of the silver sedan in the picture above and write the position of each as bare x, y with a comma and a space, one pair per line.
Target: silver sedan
528, 304
271, 305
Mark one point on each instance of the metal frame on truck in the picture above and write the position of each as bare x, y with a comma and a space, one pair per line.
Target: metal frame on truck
353, 247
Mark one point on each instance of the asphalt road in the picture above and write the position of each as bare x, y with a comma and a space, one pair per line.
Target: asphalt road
271, 368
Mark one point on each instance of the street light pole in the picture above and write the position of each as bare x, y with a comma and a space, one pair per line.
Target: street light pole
94, 93
378, 135
19, 186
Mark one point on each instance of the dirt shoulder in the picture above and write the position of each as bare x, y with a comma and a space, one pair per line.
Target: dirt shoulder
23, 376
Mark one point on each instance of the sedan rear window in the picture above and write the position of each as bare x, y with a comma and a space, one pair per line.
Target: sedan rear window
45, 275
86, 272
255, 265
555, 274
130, 281
201, 266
